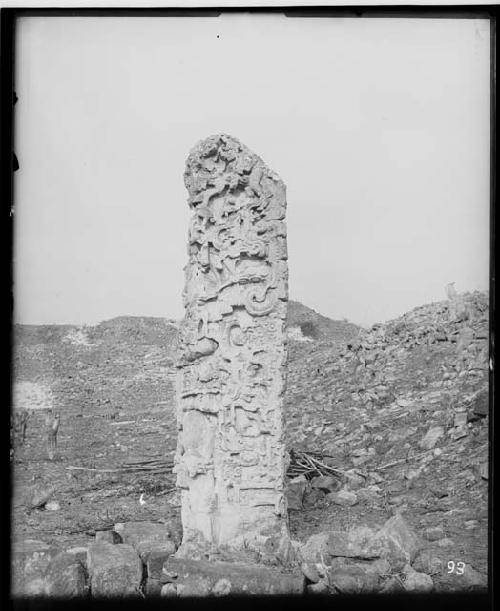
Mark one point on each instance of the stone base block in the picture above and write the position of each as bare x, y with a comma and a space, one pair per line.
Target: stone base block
204, 578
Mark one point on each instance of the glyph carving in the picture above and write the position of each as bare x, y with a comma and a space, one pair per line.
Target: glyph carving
230, 459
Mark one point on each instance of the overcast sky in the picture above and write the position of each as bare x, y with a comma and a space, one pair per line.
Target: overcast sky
379, 128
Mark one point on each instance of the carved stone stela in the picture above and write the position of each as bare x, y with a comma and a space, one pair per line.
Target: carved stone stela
230, 460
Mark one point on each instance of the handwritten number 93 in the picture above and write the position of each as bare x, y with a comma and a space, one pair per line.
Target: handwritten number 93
456, 567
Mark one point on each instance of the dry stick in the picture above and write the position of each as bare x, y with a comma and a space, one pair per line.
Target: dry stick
166, 491
90, 469
392, 464
313, 465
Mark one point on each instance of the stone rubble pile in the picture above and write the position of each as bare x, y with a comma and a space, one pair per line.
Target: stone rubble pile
401, 409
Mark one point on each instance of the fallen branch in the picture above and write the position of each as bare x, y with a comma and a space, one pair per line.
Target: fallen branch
92, 469
310, 465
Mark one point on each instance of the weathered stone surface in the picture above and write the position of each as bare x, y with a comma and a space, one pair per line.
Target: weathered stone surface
392, 585
417, 582
65, 577
310, 571
314, 497
474, 579
434, 533
355, 480
156, 560
203, 578
397, 542
295, 490
231, 460
328, 483
153, 587
353, 580
315, 547
431, 437
114, 570
79, 553
345, 498
358, 542
427, 562
148, 537
30, 559
107, 536
40, 495
318, 588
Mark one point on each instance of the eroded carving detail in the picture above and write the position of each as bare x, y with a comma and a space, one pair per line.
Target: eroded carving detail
230, 459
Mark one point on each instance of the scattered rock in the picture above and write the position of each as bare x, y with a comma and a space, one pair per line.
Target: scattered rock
316, 548
343, 497
480, 405
446, 542
370, 493
434, 533
417, 582
431, 437
327, 483
318, 588
313, 497
169, 589
396, 542
40, 495
427, 562
471, 524
392, 585
310, 571
354, 480
458, 433
474, 579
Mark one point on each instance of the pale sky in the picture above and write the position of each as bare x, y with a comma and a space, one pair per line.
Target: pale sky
380, 129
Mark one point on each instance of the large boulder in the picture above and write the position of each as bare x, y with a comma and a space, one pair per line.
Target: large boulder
395, 542
114, 570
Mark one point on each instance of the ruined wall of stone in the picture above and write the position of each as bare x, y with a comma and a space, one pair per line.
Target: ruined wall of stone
230, 459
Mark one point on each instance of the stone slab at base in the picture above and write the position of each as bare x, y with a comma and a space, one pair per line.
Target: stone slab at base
204, 578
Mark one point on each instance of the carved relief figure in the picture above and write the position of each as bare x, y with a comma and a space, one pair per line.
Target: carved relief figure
230, 459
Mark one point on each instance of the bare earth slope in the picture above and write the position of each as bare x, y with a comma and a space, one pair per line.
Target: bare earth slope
366, 398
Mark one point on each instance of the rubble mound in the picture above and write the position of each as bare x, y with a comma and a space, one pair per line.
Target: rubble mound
399, 410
